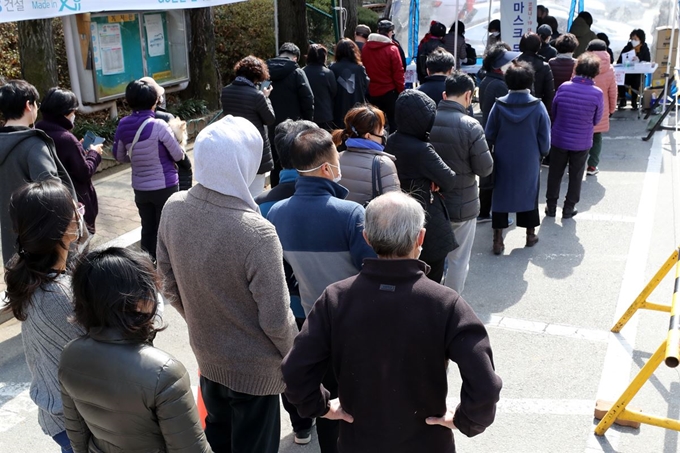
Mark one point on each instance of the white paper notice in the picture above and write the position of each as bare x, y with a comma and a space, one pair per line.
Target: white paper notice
620, 76
628, 56
111, 48
97, 55
154, 35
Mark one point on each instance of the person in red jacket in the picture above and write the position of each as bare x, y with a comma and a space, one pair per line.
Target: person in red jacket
383, 66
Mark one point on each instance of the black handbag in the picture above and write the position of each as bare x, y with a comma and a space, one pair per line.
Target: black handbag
439, 238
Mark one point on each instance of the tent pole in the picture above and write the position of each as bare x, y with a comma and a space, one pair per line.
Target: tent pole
455, 39
486, 44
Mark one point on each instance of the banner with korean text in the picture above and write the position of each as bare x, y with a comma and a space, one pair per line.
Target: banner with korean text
16, 10
517, 18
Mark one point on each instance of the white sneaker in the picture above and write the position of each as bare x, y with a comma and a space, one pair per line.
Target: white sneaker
592, 171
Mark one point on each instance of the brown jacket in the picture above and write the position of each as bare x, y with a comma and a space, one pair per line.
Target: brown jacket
222, 266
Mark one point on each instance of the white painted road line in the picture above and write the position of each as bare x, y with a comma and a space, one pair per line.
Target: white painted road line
537, 406
618, 359
606, 217
537, 327
15, 404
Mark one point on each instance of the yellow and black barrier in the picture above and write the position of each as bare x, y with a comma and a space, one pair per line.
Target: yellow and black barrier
669, 351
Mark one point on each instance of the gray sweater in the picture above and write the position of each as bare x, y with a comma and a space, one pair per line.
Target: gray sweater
45, 333
222, 266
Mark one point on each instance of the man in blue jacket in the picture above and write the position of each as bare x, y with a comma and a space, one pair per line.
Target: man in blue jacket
321, 234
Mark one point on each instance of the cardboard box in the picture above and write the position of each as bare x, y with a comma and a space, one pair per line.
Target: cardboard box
662, 38
647, 96
662, 56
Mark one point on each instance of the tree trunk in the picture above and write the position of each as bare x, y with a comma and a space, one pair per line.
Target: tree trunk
352, 7
36, 51
293, 25
205, 77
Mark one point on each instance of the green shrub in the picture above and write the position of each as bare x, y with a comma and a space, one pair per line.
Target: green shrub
104, 128
368, 17
10, 65
189, 109
243, 29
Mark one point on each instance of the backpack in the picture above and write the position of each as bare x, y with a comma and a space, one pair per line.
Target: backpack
471, 55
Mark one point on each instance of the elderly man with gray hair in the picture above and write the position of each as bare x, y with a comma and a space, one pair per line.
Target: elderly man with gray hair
389, 333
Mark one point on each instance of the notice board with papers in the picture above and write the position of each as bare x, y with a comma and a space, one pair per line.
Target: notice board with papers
129, 45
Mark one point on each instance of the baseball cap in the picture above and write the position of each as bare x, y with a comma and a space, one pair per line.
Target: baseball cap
544, 30
362, 30
385, 25
505, 58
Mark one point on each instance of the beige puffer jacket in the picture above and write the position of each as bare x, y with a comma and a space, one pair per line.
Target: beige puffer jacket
356, 165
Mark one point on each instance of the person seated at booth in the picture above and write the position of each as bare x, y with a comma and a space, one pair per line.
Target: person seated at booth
632, 81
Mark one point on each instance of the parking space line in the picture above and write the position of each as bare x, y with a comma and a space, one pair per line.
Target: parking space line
537, 327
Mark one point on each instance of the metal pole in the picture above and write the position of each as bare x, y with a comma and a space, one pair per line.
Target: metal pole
455, 39
276, 26
486, 44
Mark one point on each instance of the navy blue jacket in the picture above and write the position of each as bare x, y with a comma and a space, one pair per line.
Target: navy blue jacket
321, 234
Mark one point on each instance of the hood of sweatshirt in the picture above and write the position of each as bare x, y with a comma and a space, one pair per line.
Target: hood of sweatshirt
227, 155
414, 113
280, 68
516, 107
10, 140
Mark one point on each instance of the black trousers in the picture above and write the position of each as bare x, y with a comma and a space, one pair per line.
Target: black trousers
299, 423
386, 103
526, 219
632, 81
437, 270
559, 159
238, 422
328, 431
150, 205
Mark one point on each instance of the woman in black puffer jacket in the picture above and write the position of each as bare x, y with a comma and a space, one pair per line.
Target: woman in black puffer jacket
420, 169
245, 99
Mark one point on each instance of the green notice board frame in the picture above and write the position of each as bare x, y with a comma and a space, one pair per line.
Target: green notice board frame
128, 46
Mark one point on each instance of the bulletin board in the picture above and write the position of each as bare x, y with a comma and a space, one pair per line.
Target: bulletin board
117, 55
128, 46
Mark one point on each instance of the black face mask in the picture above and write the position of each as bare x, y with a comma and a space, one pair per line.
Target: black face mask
383, 138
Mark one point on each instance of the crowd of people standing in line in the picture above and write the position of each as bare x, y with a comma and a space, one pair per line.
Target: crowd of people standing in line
270, 282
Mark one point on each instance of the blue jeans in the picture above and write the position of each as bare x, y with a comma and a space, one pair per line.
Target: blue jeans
64, 443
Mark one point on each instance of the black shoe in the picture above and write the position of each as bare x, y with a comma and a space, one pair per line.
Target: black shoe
622, 104
303, 437
551, 211
568, 214
634, 105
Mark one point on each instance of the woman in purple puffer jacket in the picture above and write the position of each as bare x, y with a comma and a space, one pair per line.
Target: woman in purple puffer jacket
152, 157
577, 107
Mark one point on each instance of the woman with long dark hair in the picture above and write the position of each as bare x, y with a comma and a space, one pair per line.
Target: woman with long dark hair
121, 393
58, 117
351, 77
46, 221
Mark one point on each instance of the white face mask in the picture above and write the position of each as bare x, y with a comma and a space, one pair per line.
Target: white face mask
336, 179
72, 117
495, 34
634, 42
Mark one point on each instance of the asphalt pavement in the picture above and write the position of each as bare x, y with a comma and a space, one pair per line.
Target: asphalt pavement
548, 310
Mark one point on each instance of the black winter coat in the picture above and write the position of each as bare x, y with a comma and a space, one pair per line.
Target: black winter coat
418, 164
291, 96
325, 87
460, 142
491, 88
352, 88
423, 52
544, 85
547, 52
434, 86
246, 101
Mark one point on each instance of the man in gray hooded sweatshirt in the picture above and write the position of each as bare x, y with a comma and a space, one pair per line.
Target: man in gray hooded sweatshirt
222, 265
26, 154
